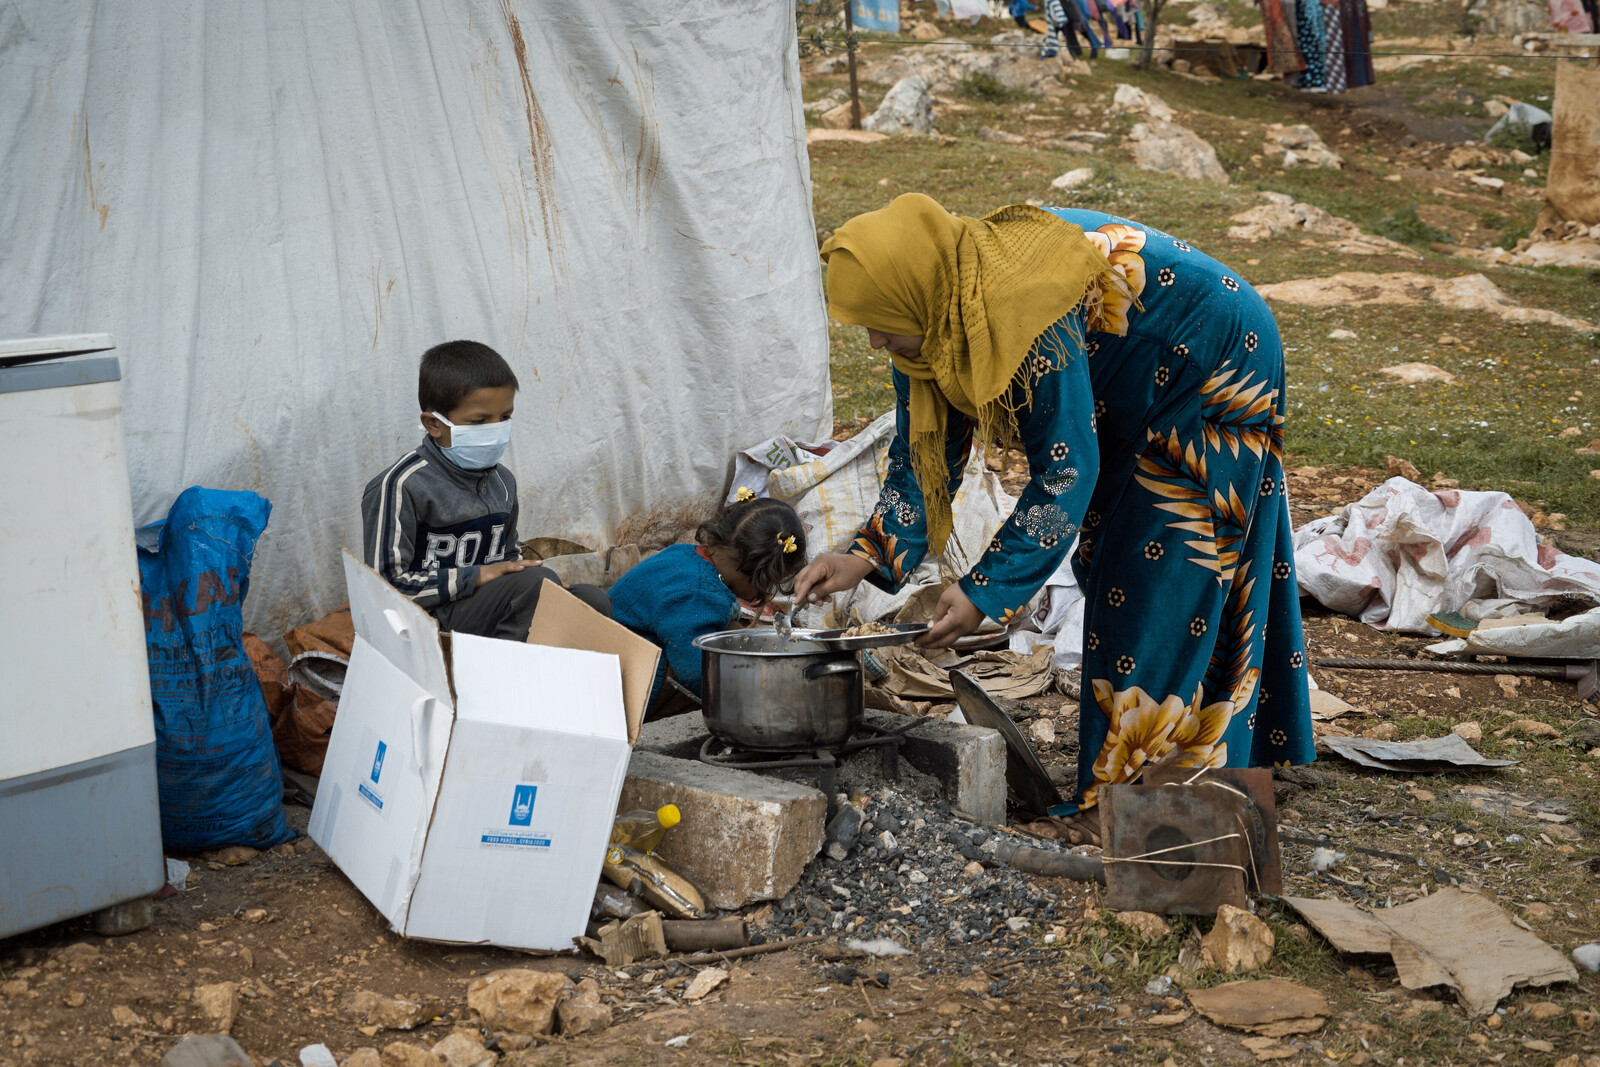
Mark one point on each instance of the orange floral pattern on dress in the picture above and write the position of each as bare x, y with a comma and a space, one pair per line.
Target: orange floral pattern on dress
1121, 244
1144, 729
880, 548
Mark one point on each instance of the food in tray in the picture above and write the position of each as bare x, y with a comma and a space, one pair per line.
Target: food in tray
868, 629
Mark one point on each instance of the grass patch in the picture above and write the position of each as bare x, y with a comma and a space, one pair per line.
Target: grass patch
1404, 226
979, 86
1494, 428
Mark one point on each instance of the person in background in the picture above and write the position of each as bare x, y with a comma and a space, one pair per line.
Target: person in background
441, 523
1144, 381
1019, 13
751, 552
1066, 20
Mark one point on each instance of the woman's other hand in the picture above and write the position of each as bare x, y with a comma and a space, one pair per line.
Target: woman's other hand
953, 617
827, 575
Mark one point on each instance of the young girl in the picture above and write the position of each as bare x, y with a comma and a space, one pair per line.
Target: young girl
751, 552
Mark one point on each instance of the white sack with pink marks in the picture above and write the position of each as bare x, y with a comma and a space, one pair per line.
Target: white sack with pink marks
1402, 553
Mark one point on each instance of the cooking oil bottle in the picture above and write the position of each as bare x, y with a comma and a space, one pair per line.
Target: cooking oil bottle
643, 830
631, 863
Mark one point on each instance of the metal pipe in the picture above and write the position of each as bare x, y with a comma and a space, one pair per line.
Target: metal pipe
1051, 864
1535, 670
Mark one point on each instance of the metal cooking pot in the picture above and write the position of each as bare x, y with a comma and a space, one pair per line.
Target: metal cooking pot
759, 691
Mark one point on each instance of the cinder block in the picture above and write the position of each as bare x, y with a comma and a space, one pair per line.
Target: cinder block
744, 837
968, 761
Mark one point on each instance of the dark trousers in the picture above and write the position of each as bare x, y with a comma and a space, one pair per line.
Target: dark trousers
504, 608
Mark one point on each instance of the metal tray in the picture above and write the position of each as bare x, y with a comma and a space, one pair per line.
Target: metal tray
1030, 783
901, 633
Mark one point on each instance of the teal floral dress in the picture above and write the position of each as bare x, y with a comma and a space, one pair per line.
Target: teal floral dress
1158, 442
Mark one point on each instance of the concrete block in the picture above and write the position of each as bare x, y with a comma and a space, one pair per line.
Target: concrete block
677, 735
968, 761
744, 837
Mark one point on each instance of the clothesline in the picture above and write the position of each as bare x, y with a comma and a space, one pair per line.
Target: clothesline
1331, 51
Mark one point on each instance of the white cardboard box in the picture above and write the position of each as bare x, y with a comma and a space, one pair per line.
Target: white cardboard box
470, 783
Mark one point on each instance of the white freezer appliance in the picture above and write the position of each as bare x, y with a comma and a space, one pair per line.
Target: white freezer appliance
80, 822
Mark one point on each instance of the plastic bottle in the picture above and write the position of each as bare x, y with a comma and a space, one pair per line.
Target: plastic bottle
631, 864
643, 830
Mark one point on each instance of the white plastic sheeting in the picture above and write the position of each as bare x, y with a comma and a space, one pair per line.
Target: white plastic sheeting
1403, 552
277, 205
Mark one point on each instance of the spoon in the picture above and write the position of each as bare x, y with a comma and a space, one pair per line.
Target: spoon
784, 624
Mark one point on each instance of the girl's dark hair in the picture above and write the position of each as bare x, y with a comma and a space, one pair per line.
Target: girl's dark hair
758, 531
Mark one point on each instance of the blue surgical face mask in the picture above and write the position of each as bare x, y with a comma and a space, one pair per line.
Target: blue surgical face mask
476, 448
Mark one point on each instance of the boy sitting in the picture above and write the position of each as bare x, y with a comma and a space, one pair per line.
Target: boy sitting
441, 524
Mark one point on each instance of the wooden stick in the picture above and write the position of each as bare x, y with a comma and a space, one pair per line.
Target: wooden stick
863, 987
753, 950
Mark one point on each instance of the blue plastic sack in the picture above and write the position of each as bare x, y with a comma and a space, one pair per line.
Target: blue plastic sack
218, 771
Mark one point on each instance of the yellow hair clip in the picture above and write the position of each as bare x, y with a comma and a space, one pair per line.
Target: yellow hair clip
787, 541
744, 494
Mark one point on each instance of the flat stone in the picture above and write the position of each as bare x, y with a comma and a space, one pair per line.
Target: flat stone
968, 761
207, 1050
744, 837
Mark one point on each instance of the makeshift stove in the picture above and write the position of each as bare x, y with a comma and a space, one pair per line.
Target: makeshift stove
821, 764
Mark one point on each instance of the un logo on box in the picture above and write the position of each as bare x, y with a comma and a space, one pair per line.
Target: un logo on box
377, 760
522, 804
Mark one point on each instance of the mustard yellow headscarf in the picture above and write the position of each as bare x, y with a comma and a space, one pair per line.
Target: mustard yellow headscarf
980, 292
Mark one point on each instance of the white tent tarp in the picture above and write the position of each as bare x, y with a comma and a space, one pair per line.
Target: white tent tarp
276, 206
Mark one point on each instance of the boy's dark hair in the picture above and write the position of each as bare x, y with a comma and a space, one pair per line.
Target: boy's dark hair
767, 539
452, 370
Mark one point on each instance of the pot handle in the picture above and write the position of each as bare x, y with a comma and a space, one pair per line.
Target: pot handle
838, 666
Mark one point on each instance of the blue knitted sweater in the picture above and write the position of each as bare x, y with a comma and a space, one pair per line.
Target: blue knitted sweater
672, 598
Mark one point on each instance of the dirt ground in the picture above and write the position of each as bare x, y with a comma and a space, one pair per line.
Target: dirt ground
296, 939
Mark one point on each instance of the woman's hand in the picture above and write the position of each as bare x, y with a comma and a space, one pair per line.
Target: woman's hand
954, 616
827, 575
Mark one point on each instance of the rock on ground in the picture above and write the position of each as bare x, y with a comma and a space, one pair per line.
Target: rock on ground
1076, 178
517, 999
1238, 941
1580, 252
1299, 146
583, 1012
391, 1013
908, 108
1132, 99
365, 1057
400, 1054
1467, 292
1173, 149
1506, 18
462, 1049
1016, 64
220, 1002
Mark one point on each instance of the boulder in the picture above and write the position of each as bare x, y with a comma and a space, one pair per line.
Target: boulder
1134, 100
925, 31
517, 999
1173, 149
837, 117
908, 108
1506, 18
1016, 64
1299, 146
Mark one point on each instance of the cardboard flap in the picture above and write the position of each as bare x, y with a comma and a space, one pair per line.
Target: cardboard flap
539, 687
564, 621
399, 630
